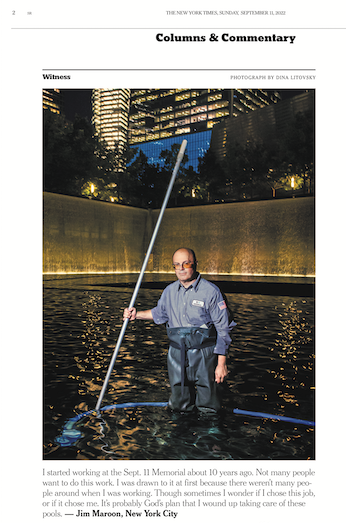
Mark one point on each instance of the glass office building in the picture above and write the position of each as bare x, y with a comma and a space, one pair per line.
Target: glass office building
110, 115
163, 113
160, 118
152, 120
52, 100
197, 145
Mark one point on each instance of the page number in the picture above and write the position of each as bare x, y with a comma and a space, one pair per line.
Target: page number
28, 12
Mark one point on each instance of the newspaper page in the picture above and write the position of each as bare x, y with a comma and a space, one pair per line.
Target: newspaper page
77, 47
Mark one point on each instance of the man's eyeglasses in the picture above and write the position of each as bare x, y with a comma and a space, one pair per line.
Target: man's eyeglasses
184, 265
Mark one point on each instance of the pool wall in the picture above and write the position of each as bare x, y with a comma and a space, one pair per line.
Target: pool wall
274, 237
83, 235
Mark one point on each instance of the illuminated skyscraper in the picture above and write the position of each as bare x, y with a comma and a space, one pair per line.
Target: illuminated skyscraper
154, 119
110, 115
163, 113
160, 118
261, 126
52, 100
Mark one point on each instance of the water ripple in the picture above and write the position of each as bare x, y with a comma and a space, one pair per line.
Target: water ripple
271, 365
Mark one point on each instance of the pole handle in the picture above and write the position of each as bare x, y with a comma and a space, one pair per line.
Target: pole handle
141, 274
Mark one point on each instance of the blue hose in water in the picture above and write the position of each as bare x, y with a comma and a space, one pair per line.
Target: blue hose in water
70, 435
274, 416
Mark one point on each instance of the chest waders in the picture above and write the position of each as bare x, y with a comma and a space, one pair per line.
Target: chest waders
185, 338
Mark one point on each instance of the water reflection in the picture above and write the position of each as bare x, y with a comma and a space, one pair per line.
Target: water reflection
296, 333
272, 370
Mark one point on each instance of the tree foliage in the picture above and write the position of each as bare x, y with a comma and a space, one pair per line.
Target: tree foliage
69, 158
258, 169
78, 164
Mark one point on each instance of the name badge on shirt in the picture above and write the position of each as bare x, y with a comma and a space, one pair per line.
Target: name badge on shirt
198, 303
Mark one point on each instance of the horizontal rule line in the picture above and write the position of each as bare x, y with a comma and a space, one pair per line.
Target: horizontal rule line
183, 28
133, 69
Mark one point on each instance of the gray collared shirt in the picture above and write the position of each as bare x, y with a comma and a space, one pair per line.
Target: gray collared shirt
200, 305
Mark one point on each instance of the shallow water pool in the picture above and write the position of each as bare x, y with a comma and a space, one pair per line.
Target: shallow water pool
271, 364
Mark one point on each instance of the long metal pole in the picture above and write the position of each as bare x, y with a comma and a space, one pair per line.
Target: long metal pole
141, 274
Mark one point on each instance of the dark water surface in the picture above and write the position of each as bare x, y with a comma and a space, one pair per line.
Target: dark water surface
271, 364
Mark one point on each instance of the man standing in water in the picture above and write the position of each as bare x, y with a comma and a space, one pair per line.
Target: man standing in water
198, 327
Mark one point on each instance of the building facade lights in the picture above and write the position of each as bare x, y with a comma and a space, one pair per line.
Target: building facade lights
189, 110
141, 116
52, 100
110, 116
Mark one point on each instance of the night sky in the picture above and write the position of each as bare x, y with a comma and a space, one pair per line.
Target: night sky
78, 101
